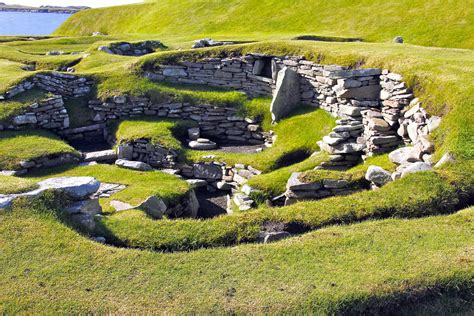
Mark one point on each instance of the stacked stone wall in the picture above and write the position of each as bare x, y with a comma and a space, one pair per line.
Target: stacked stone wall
58, 83
46, 114
215, 122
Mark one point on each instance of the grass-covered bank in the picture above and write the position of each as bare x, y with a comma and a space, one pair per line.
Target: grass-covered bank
420, 22
22, 146
379, 266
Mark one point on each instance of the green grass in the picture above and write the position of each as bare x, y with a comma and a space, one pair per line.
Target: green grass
419, 195
14, 185
378, 266
433, 23
140, 185
11, 72
16, 147
19, 103
163, 132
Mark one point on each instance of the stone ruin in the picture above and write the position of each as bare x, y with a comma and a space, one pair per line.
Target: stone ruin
376, 113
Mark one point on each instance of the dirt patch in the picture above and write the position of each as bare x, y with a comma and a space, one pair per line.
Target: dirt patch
211, 204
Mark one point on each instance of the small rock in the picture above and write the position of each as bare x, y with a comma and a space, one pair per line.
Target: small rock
378, 175
154, 206
200, 144
416, 167
91, 207
274, 236
194, 133
405, 154
447, 158
398, 40
100, 240
5, 201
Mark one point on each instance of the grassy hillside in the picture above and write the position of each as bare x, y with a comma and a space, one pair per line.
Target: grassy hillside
430, 23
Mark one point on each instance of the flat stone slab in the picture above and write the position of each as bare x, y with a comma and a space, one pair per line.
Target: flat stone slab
121, 206
104, 155
200, 145
76, 187
295, 184
133, 165
5, 201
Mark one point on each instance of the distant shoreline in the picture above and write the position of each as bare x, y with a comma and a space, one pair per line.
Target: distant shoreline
44, 9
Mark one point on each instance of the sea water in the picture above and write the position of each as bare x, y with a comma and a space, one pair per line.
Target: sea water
29, 23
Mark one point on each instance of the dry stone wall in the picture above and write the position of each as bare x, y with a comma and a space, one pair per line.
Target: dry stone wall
46, 114
55, 82
214, 122
143, 150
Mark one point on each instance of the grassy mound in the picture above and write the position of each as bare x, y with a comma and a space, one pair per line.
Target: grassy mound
19, 103
16, 147
378, 267
421, 23
164, 132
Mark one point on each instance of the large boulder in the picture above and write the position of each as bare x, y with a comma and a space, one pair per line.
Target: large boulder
154, 206
378, 175
287, 95
191, 208
133, 165
78, 188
